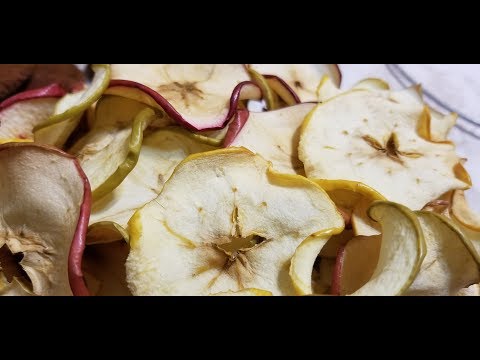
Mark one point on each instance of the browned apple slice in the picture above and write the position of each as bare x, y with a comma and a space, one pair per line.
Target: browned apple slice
299, 79
197, 96
44, 207
20, 113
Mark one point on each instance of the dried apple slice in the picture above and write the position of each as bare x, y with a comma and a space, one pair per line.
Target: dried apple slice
273, 134
197, 96
362, 267
401, 254
461, 211
20, 113
301, 79
304, 258
161, 152
235, 227
110, 150
354, 198
451, 263
45, 205
57, 128
374, 140
436, 126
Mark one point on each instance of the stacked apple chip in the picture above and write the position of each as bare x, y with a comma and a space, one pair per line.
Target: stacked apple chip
186, 190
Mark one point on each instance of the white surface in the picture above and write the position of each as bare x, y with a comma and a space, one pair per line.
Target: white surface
456, 85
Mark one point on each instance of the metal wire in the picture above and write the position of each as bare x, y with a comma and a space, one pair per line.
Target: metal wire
406, 80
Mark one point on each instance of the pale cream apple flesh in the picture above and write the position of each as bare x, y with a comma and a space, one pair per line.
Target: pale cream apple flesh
225, 221
275, 136
41, 195
373, 139
303, 79
161, 152
200, 95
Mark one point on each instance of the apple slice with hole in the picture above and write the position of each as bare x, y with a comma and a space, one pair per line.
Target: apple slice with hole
273, 134
161, 152
235, 227
374, 140
110, 150
20, 113
300, 79
451, 262
44, 207
69, 110
197, 96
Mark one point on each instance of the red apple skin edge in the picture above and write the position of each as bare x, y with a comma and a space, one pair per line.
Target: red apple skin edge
337, 272
75, 275
174, 114
53, 90
239, 120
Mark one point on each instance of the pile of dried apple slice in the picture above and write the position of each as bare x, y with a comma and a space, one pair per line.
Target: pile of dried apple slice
232, 179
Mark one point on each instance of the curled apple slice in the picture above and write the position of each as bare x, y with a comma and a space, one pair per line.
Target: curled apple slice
44, 207
354, 199
235, 227
273, 134
197, 96
110, 150
69, 111
20, 113
373, 139
401, 252
304, 258
450, 264
161, 152
301, 79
